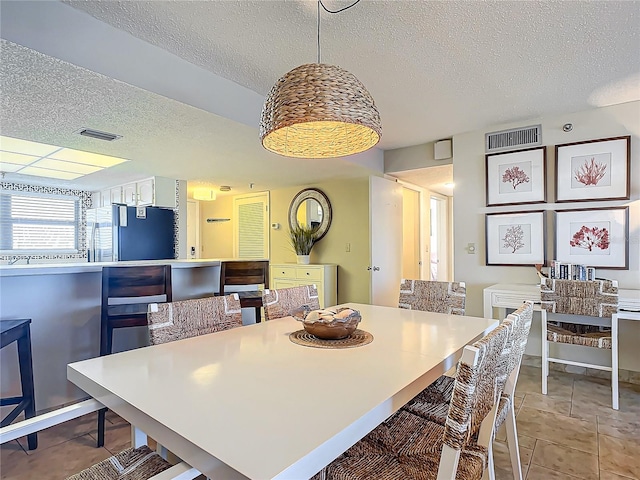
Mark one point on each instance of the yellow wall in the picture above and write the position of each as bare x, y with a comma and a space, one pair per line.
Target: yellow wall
350, 205
216, 239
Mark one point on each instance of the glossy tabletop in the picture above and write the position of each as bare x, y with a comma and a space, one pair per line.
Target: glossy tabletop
250, 403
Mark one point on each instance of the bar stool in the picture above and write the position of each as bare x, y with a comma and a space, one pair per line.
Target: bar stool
238, 272
19, 331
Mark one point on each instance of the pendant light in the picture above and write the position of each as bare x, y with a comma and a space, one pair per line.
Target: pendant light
319, 111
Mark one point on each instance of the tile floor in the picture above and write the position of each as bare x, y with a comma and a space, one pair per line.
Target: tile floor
572, 433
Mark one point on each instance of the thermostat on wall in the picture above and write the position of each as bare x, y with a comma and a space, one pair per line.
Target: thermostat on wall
275, 226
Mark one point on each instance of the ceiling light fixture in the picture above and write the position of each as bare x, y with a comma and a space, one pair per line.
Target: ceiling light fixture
204, 194
319, 111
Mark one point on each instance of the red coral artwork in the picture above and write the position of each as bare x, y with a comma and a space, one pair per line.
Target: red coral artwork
515, 176
591, 172
514, 238
590, 238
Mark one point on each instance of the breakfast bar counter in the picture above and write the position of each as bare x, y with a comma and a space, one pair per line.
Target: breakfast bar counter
63, 301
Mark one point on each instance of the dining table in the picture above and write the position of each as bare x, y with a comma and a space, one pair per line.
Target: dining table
250, 403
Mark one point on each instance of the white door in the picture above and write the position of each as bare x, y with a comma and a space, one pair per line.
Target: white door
385, 220
251, 229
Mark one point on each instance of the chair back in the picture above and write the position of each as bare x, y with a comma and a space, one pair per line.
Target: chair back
281, 302
241, 272
138, 281
478, 385
594, 298
431, 296
191, 318
521, 318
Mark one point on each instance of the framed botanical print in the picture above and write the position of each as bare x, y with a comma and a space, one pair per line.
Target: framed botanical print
593, 170
597, 237
516, 238
516, 177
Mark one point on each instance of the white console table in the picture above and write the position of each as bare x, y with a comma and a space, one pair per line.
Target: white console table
512, 296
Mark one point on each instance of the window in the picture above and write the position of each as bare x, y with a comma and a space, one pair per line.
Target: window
38, 223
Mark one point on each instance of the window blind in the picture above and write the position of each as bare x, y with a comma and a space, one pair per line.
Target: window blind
34, 223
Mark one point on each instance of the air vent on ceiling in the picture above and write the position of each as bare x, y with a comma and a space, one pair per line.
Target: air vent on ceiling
99, 135
514, 138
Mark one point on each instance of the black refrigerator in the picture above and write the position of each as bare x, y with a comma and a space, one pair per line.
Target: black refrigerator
118, 233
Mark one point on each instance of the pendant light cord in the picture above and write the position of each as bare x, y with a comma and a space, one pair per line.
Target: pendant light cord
329, 11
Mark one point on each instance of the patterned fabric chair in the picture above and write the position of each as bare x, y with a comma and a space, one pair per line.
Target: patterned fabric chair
137, 463
437, 297
280, 303
596, 304
190, 318
409, 446
433, 402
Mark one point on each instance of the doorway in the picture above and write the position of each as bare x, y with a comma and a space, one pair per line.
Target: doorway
439, 258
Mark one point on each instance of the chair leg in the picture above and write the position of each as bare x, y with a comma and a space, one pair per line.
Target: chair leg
614, 361
26, 380
512, 442
101, 425
545, 352
258, 314
491, 468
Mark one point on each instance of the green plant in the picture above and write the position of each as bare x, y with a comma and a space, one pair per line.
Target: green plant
302, 238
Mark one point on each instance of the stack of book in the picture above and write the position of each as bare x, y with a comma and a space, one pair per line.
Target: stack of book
571, 271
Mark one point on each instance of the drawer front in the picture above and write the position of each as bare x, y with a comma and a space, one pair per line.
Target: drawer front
280, 283
314, 274
283, 272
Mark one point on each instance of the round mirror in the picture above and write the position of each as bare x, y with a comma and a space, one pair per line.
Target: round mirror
311, 207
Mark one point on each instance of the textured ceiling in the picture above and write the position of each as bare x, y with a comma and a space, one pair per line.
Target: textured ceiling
435, 69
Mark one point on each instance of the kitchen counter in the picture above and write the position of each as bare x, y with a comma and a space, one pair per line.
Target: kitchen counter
63, 301
86, 267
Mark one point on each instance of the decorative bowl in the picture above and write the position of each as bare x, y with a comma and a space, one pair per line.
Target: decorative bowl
329, 324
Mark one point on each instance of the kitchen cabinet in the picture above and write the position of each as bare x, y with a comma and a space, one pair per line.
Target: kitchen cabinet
323, 276
155, 191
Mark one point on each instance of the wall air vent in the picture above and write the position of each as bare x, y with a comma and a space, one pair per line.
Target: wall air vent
110, 137
513, 139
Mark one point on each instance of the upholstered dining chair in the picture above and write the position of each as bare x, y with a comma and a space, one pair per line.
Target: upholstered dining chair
190, 318
409, 446
281, 302
434, 401
136, 463
584, 313
431, 296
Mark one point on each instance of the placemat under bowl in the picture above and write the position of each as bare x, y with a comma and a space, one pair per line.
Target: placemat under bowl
356, 339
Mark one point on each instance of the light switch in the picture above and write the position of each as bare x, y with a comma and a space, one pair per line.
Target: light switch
347, 247
471, 248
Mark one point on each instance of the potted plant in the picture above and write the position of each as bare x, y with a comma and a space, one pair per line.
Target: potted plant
302, 238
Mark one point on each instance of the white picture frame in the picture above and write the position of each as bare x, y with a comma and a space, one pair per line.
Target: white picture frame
593, 170
518, 177
596, 237
515, 238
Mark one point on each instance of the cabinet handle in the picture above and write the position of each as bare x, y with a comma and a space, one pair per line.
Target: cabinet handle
307, 273
283, 273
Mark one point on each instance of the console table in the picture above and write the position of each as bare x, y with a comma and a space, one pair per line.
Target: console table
512, 296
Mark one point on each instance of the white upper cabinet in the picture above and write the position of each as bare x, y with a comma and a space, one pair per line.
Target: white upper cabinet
155, 191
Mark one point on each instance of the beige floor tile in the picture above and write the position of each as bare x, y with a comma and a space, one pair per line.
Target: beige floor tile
559, 429
619, 455
628, 428
559, 385
56, 462
526, 442
87, 424
548, 403
502, 460
536, 472
566, 460
604, 475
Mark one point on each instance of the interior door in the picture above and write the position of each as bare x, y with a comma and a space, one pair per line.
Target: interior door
385, 224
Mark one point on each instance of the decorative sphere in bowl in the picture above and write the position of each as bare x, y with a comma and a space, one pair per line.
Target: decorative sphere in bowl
330, 324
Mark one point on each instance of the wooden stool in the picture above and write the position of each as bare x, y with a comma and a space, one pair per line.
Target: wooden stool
18, 331
239, 272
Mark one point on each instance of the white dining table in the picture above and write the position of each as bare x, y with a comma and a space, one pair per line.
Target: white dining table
249, 403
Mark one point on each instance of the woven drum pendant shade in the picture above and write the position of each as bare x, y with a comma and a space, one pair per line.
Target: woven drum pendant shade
319, 111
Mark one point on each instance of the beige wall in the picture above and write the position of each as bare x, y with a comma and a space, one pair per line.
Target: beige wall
469, 208
350, 204
216, 238
410, 158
